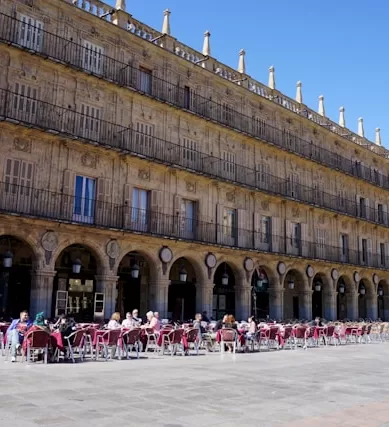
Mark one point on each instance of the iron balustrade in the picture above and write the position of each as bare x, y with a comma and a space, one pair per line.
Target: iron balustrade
57, 206
65, 121
73, 54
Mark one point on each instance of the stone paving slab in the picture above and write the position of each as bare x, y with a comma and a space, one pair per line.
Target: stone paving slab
335, 386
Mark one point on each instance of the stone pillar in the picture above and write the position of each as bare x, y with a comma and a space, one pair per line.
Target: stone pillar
372, 306
386, 308
108, 286
158, 297
41, 295
120, 18
329, 302
242, 302
276, 303
204, 298
305, 299
352, 304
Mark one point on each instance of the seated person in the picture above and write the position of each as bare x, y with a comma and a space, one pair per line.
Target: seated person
152, 322
205, 317
114, 323
129, 322
16, 333
135, 316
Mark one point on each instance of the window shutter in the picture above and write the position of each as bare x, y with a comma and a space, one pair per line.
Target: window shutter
369, 251
358, 206
359, 239
367, 207
386, 254
244, 229
276, 234
289, 235
104, 212
127, 205
304, 239
68, 193
385, 213
157, 220
219, 222
177, 214
257, 230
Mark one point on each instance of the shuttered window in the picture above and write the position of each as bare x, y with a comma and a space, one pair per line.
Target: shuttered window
229, 165
18, 177
30, 33
144, 137
263, 175
93, 57
24, 101
90, 122
189, 152
146, 80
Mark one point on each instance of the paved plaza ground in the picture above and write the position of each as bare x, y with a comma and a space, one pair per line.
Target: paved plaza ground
334, 386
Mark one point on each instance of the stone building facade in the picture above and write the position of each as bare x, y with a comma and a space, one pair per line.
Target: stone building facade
136, 172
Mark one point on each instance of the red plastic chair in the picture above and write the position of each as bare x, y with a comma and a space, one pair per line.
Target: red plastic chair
107, 341
228, 336
193, 336
39, 341
76, 341
300, 336
263, 337
151, 338
289, 337
130, 340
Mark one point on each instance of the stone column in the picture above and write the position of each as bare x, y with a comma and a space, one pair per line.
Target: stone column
386, 308
204, 297
276, 303
352, 304
372, 306
242, 302
329, 301
305, 298
41, 295
107, 285
158, 297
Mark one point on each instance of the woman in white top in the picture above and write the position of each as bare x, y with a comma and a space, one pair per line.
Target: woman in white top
128, 322
114, 323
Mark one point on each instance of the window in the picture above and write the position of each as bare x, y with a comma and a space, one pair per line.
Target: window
364, 251
140, 208
227, 113
293, 185
229, 223
377, 176
342, 199
263, 175
144, 137
189, 152
259, 126
382, 254
84, 199
344, 247
31, 33
24, 102
188, 212
18, 177
187, 97
380, 213
362, 207
318, 192
146, 80
358, 168
266, 229
229, 165
321, 238
90, 122
93, 57
296, 236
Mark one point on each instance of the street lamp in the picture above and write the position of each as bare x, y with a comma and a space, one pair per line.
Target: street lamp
225, 279
317, 287
362, 290
7, 259
76, 267
380, 291
183, 274
341, 288
291, 284
135, 271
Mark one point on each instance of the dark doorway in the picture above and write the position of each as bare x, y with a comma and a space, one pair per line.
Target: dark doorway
296, 310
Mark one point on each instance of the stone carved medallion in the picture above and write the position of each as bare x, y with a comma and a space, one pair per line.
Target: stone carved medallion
144, 174
190, 187
113, 249
210, 260
49, 241
295, 212
22, 145
230, 196
265, 205
165, 254
356, 277
89, 161
281, 268
248, 264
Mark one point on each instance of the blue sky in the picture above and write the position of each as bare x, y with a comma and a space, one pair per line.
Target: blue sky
338, 49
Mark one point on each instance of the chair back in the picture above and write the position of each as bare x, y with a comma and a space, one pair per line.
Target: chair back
330, 331
177, 336
78, 337
228, 334
273, 332
150, 331
111, 337
192, 335
299, 332
288, 332
38, 339
131, 337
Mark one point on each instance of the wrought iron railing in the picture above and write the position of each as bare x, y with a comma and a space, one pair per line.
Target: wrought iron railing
126, 74
33, 112
57, 206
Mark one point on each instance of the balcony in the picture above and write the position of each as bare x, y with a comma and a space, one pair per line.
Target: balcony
72, 124
56, 206
72, 54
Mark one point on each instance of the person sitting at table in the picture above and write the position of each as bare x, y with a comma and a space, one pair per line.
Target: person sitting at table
205, 317
135, 316
16, 333
66, 327
40, 323
197, 324
114, 323
152, 322
220, 323
129, 322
